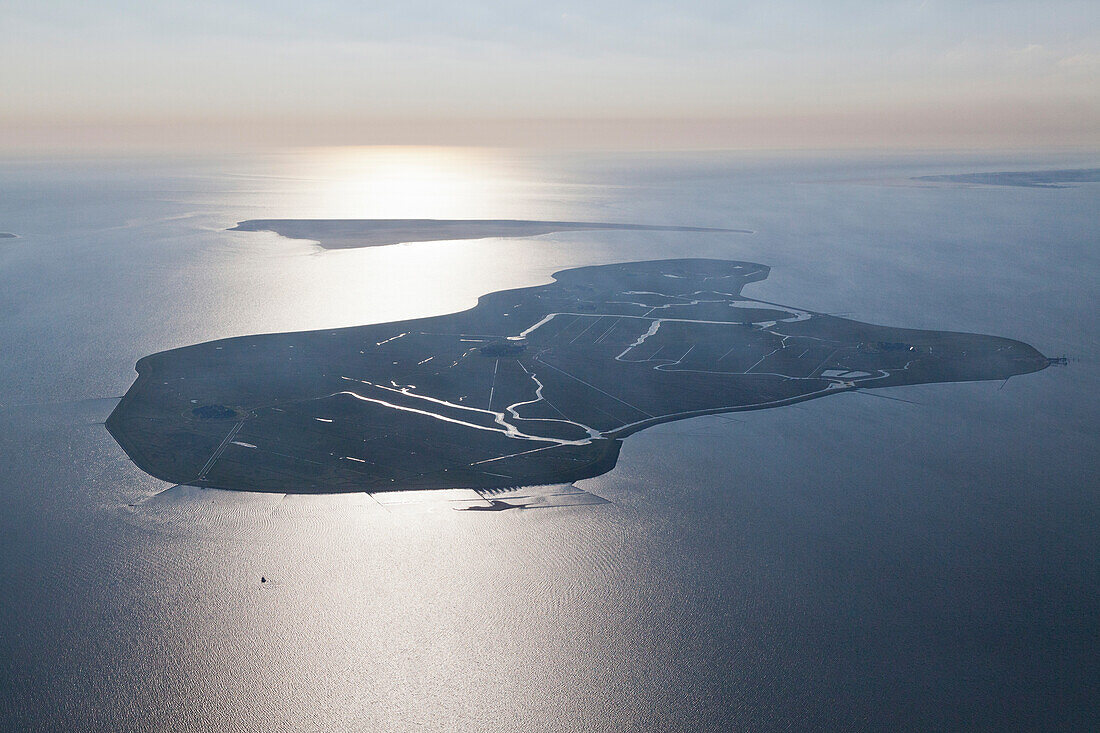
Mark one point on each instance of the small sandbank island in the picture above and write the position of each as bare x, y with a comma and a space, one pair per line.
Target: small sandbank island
1022, 179
355, 233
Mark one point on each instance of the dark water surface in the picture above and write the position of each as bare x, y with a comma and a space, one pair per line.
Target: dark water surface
927, 561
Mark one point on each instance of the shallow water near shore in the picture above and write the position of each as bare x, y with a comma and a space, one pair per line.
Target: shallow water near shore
918, 556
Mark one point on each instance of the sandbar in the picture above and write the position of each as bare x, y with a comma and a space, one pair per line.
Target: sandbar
355, 233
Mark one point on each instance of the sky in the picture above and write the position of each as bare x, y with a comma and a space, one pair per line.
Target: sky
622, 73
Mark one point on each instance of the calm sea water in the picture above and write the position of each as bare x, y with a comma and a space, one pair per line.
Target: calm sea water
848, 563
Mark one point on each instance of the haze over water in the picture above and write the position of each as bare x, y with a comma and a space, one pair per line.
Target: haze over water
928, 560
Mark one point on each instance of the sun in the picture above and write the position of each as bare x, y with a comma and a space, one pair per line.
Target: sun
400, 182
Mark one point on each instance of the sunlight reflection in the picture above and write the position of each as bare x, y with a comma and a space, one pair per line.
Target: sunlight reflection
320, 288
409, 182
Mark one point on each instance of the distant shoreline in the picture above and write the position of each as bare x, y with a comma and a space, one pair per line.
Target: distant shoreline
357, 233
1021, 179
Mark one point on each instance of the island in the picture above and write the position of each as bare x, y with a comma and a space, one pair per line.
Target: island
7, 235
356, 233
538, 385
1022, 179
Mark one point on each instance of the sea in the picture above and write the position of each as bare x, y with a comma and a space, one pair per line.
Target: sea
922, 557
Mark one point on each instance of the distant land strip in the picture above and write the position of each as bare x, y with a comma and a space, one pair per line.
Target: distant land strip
1023, 179
355, 233
7, 235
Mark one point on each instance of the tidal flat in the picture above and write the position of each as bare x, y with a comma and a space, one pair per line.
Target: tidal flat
355, 233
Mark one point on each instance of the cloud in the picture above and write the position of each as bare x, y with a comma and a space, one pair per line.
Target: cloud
1081, 60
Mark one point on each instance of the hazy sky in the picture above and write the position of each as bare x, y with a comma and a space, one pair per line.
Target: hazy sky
660, 73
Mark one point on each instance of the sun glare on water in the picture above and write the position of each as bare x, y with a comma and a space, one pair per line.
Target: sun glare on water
378, 284
408, 183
